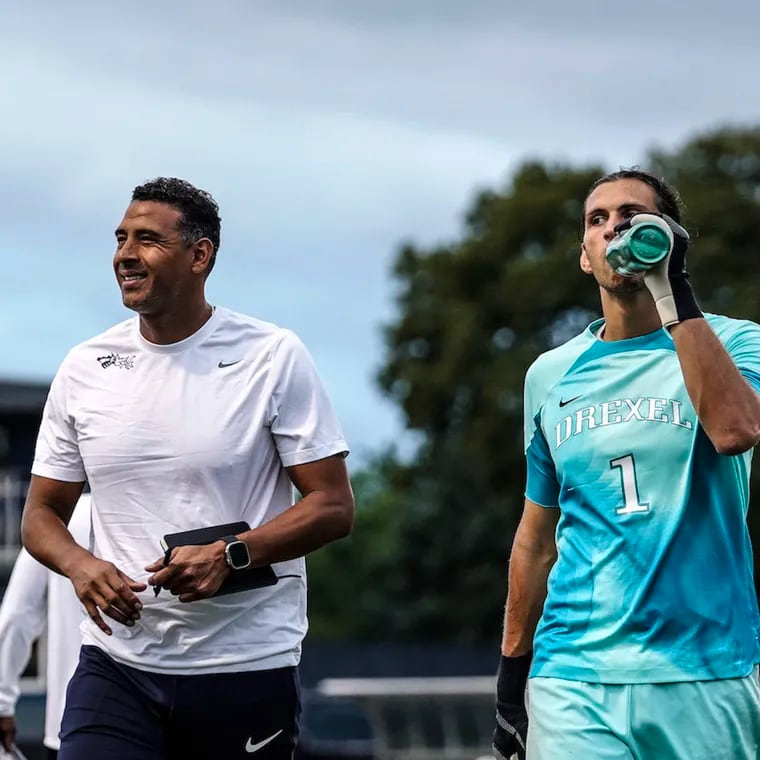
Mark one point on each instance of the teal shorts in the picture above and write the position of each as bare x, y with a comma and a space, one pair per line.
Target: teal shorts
697, 720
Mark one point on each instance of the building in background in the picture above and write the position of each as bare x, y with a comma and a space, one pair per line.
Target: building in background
21, 406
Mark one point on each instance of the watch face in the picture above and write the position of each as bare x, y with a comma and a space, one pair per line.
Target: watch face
237, 554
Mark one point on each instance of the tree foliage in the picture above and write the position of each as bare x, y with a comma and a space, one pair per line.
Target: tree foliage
428, 554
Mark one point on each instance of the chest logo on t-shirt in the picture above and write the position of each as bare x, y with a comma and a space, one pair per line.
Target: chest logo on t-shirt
619, 411
117, 360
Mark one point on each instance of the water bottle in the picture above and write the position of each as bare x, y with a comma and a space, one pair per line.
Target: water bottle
642, 246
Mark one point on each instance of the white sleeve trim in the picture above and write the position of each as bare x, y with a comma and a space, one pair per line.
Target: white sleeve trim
306, 456
59, 473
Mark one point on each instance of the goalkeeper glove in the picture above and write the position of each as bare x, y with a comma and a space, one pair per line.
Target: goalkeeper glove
668, 281
511, 730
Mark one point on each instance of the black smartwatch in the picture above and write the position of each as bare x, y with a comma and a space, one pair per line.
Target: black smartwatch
236, 553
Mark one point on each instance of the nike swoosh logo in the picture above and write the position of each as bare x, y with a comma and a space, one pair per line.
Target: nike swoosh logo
565, 402
221, 365
251, 748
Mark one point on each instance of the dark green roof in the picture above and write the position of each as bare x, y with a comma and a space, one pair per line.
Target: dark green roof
22, 396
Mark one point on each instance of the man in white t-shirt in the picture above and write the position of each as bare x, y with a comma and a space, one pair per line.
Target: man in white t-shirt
185, 417
36, 596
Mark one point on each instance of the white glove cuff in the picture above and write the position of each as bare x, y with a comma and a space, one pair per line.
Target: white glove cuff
658, 284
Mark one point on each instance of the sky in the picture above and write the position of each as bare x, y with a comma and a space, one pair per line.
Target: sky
329, 132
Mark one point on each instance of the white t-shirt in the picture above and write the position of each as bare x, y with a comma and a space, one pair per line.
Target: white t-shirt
182, 436
33, 596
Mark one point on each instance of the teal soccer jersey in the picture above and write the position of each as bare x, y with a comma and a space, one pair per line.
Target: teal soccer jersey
654, 580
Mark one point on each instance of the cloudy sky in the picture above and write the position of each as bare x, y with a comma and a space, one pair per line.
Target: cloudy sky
329, 131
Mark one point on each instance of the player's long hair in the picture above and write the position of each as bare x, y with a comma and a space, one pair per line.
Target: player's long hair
668, 200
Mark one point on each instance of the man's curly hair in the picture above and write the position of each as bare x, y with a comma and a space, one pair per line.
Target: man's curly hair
199, 212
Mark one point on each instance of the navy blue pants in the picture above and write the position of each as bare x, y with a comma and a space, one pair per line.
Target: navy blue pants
121, 713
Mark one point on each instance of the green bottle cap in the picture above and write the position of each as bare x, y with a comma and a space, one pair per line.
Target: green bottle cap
649, 243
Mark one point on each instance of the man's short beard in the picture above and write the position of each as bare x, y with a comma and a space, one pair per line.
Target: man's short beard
625, 285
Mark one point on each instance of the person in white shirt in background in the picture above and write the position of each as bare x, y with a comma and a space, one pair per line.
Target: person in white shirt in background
36, 596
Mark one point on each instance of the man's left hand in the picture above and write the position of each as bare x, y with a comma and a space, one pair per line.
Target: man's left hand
193, 572
669, 281
7, 732
511, 733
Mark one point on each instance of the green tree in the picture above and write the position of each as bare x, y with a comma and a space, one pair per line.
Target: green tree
353, 583
472, 316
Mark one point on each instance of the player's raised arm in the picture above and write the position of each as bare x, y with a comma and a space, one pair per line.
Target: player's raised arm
727, 406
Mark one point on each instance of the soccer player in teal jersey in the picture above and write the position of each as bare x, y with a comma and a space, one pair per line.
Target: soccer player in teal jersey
631, 610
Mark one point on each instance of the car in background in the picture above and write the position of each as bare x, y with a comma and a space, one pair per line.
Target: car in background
439, 718
334, 728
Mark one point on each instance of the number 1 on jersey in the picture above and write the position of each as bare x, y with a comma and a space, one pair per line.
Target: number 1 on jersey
631, 501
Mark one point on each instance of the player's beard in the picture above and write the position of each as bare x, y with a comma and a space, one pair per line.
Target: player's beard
618, 285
